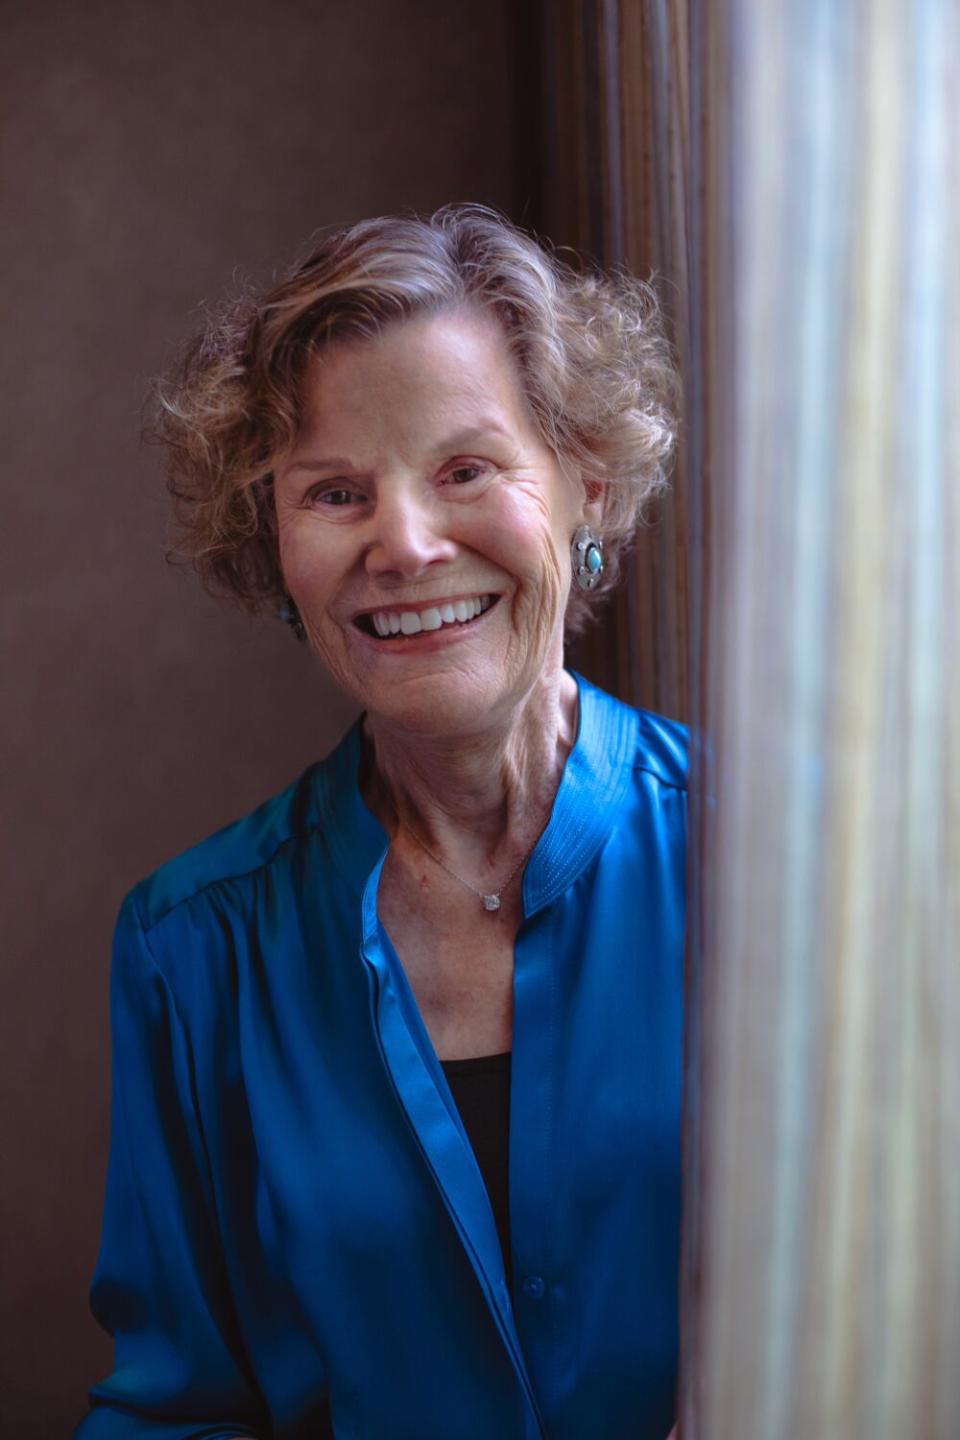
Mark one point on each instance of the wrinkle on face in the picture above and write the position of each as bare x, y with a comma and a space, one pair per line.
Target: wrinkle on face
382, 404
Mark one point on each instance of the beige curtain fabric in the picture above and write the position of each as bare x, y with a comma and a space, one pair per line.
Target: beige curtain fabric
822, 1271
790, 171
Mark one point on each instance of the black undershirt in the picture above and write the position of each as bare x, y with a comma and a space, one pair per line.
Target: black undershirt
481, 1089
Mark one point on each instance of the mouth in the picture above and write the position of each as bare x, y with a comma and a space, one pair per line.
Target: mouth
394, 626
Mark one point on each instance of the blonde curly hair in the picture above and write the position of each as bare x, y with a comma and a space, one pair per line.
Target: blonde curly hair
591, 351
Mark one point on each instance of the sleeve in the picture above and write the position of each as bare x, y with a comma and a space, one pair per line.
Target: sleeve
160, 1286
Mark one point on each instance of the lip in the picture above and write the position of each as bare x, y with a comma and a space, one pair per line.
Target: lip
426, 640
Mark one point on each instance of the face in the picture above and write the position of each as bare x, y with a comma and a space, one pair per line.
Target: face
424, 527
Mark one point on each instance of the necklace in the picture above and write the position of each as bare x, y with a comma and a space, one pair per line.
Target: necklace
491, 899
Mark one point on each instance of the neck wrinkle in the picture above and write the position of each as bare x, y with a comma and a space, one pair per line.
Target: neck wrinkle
475, 799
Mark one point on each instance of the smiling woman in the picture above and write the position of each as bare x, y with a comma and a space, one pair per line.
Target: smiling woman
408, 521
396, 1131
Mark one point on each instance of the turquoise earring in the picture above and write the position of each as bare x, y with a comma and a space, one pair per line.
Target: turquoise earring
290, 615
586, 555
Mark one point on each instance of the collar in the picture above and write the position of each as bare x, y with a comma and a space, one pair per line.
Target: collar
586, 807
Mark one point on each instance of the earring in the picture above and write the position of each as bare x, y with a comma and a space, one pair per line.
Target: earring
290, 615
586, 555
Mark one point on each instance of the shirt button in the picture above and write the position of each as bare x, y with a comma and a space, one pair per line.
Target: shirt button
533, 1287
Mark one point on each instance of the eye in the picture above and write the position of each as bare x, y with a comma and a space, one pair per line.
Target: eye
334, 497
464, 474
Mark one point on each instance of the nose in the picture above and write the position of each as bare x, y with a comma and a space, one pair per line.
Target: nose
408, 535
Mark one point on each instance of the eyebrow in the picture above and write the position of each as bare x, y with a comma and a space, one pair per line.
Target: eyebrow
458, 441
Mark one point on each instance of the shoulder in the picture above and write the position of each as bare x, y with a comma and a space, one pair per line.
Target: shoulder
243, 848
663, 747
652, 744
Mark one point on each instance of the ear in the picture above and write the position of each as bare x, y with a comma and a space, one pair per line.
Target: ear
593, 493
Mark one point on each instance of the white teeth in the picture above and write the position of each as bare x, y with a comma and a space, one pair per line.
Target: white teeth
411, 622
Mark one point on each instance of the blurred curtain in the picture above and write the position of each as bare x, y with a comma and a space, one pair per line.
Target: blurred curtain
792, 170
825, 404
613, 188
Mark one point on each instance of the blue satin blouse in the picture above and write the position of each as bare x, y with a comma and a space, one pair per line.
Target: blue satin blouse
297, 1240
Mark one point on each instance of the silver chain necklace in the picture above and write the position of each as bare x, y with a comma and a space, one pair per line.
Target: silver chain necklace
491, 899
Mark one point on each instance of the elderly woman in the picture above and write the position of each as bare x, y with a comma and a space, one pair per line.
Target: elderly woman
397, 1057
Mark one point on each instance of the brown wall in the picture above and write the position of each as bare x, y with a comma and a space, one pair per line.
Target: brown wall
148, 150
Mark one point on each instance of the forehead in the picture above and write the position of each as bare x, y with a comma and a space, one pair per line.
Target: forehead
454, 367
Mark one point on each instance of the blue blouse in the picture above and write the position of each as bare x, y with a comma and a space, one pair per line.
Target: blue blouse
297, 1239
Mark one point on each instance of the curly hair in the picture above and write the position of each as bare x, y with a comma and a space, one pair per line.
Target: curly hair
591, 351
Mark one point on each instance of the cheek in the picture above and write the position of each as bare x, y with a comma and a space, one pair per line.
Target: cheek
526, 532
535, 553
308, 572
290, 552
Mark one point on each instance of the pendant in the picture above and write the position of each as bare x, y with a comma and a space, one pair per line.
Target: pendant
491, 902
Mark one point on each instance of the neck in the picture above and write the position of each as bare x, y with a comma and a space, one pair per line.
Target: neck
475, 799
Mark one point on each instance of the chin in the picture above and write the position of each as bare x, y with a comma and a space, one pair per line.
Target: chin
438, 686
437, 704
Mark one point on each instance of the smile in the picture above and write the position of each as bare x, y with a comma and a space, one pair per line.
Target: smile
390, 624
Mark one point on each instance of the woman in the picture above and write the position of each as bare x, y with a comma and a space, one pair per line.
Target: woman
397, 1058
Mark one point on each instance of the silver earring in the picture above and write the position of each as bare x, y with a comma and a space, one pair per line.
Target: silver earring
586, 555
